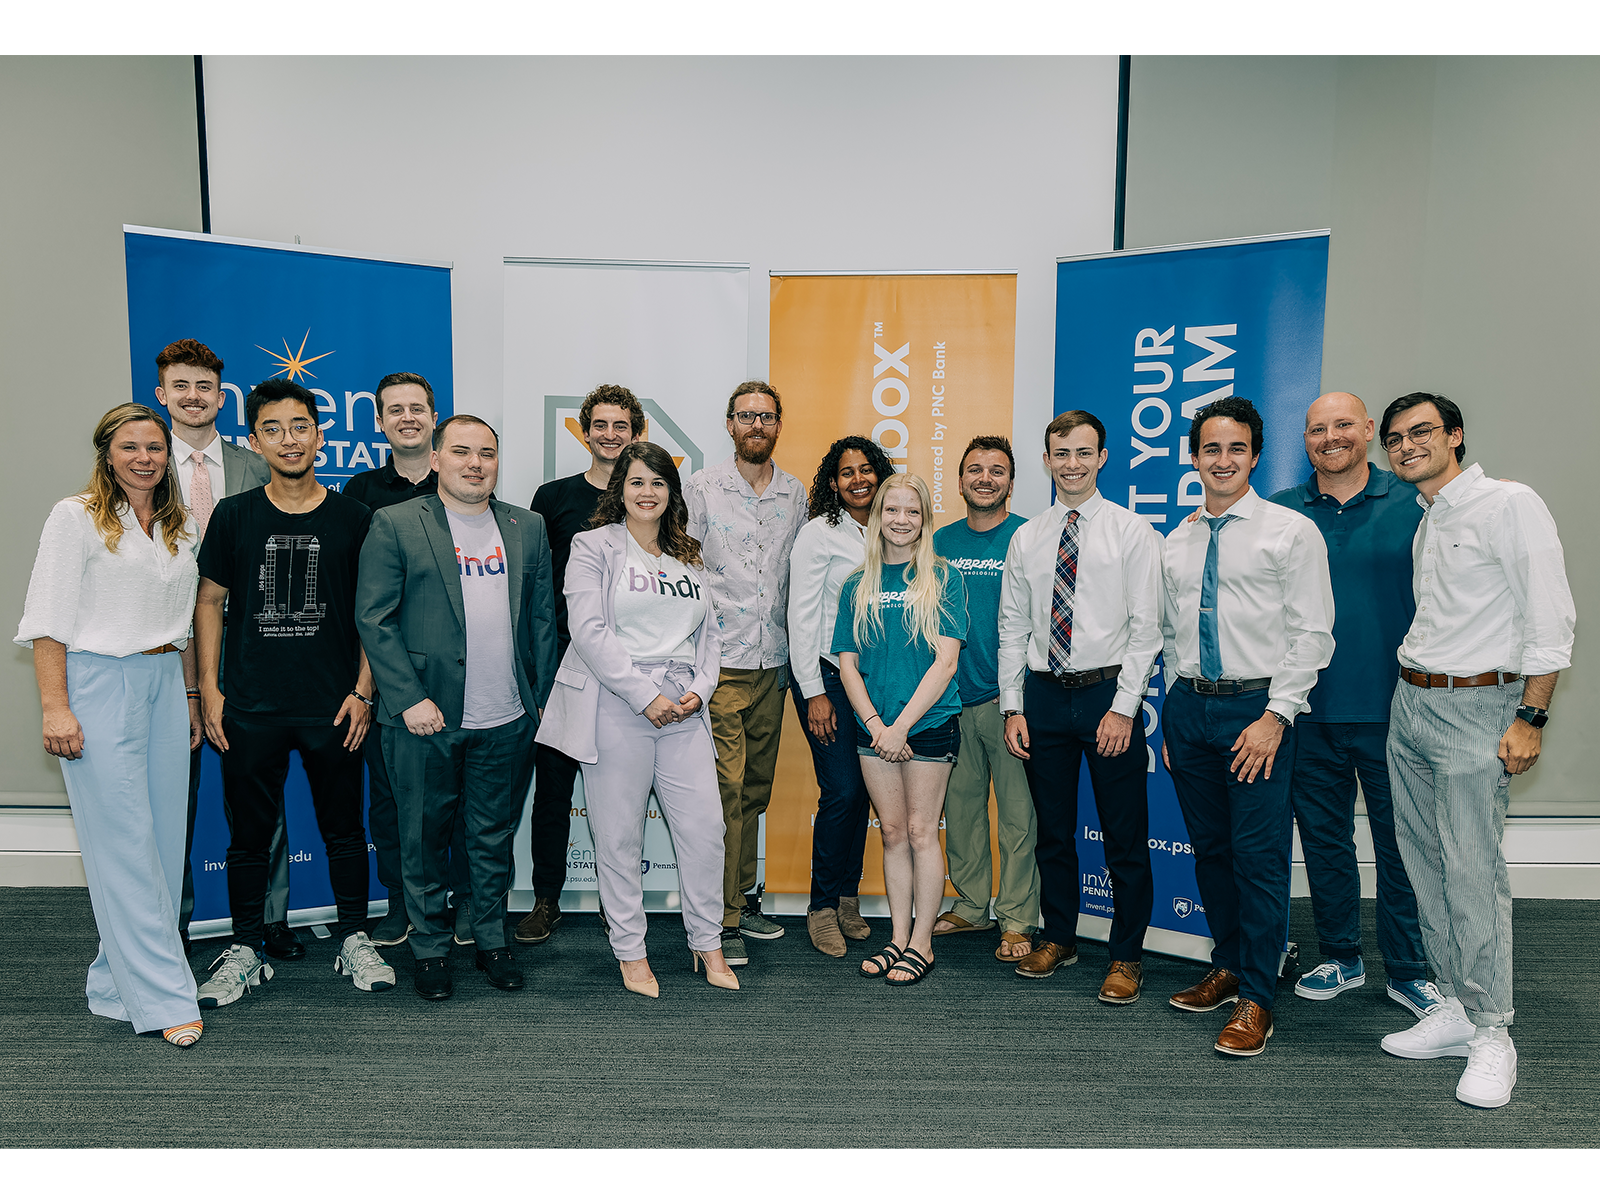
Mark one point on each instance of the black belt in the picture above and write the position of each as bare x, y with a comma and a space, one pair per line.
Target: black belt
1226, 687
1081, 679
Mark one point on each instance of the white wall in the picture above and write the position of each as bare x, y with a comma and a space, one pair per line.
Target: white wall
783, 163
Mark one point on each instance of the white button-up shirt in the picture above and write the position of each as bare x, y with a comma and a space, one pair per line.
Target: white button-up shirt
87, 598
183, 463
745, 540
1116, 607
1274, 600
824, 556
1490, 582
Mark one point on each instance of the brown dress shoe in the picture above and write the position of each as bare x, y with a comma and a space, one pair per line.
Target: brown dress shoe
823, 926
1218, 988
1042, 963
540, 923
1247, 1033
1122, 983
851, 923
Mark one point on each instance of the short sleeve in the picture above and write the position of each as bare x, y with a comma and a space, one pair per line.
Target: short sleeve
844, 625
51, 609
953, 617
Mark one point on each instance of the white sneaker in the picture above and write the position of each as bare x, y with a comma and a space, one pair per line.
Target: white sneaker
1443, 1033
1491, 1070
241, 969
359, 959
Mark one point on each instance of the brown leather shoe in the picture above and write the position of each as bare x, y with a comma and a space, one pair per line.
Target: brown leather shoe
1247, 1033
823, 926
851, 923
1042, 963
538, 925
1122, 983
1219, 987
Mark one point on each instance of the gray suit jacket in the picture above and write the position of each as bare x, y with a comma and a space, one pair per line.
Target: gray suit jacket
597, 658
242, 469
412, 618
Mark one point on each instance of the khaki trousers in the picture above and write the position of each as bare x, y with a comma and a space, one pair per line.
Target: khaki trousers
984, 757
746, 722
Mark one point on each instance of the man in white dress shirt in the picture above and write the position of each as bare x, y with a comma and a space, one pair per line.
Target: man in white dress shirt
189, 387
1080, 626
1248, 623
1492, 631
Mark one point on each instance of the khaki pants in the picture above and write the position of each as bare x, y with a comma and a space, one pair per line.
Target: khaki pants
984, 757
746, 721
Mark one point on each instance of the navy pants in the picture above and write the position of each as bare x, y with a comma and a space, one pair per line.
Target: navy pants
1242, 833
1328, 759
839, 834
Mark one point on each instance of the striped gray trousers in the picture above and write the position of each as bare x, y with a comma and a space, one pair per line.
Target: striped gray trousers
1450, 797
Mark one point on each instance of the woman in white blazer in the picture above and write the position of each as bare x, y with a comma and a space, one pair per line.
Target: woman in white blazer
635, 680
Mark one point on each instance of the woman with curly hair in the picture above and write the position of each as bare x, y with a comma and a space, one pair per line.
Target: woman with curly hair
830, 546
642, 664
108, 616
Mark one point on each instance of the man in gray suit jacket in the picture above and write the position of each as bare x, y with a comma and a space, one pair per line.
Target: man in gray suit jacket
210, 467
457, 613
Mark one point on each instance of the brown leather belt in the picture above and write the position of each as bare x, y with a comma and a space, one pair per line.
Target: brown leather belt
169, 648
1487, 679
1226, 687
1082, 679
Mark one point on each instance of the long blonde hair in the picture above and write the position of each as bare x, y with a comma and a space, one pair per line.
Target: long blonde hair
104, 499
924, 578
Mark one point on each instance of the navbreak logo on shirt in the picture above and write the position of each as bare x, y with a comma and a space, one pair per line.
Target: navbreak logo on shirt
685, 589
978, 566
492, 564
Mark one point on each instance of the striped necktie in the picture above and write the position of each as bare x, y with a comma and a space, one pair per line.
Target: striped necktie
1062, 595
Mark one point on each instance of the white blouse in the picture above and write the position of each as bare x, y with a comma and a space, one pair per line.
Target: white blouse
88, 598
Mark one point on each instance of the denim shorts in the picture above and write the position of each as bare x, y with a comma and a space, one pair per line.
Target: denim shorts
942, 743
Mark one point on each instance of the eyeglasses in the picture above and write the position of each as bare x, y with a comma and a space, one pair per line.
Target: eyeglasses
298, 431
1417, 435
750, 418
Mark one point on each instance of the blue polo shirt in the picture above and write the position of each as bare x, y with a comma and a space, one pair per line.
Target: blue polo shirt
1369, 558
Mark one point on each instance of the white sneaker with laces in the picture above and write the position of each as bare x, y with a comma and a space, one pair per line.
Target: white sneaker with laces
1443, 1033
1491, 1070
359, 959
238, 969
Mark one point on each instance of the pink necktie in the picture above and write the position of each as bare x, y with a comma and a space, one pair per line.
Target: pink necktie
200, 502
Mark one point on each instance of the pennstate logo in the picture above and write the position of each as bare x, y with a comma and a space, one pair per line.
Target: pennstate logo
644, 866
1183, 906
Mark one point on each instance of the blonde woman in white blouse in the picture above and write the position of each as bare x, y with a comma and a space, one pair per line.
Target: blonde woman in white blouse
108, 616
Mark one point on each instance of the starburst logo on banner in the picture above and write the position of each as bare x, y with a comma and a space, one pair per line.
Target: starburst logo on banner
293, 363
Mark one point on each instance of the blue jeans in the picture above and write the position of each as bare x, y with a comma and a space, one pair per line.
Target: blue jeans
1328, 759
839, 834
1242, 833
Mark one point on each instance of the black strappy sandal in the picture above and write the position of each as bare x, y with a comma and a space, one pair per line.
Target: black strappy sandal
913, 962
884, 960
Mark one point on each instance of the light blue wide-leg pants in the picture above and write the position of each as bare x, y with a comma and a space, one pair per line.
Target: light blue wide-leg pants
130, 800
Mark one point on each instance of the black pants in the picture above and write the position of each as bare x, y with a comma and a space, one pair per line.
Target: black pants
550, 819
254, 768
1062, 724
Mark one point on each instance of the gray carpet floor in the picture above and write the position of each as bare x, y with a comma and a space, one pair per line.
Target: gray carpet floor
808, 1054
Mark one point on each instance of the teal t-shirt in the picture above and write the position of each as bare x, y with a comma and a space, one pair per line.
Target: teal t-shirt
981, 559
894, 665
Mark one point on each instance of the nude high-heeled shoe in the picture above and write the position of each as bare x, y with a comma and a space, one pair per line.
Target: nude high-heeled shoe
645, 987
721, 979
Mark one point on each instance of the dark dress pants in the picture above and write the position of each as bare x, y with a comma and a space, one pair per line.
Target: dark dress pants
1242, 833
479, 778
254, 768
1062, 727
839, 833
550, 819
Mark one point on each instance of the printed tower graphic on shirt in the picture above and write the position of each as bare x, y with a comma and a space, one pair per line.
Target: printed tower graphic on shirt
290, 574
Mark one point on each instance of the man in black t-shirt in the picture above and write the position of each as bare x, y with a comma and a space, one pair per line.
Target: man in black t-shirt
610, 418
297, 680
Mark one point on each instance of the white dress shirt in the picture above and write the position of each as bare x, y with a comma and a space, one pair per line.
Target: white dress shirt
182, 453
1490, 582
1116, 607
1274, 600
823, 556
87, 598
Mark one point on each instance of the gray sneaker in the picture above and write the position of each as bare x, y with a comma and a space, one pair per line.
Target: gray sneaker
238, 969
733, 949
393, 929
359, 959
753, 924
464, 923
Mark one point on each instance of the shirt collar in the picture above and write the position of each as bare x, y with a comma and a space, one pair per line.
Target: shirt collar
1244, 508
1086, 510
726, 474
1458, 488
1378, 482
212, 453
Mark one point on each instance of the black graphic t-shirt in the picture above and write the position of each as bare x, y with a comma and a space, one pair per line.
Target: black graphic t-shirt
566, 506
292, 652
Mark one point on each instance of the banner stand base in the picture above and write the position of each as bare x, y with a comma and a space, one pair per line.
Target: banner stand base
299, 918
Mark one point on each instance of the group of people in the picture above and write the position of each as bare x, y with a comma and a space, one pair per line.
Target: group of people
644, 631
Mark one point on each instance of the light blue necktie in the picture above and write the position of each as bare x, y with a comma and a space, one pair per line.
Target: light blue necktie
1210, 649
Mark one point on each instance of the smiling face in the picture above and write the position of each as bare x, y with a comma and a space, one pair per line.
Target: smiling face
985, 480
137, 457
405, 417
468, 462
193, 395
287, 436
1338, 432
902, 518
1074, 460
856, 482
1224, 461
610, 429
645, 494
1437, 456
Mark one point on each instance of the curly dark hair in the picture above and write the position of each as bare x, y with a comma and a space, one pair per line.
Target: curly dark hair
674, 535
825, 500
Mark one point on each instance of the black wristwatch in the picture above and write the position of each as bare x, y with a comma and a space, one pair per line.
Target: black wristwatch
1534, 716
1282, 720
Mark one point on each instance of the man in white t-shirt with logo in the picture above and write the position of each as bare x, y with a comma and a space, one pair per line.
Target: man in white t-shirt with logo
464, 660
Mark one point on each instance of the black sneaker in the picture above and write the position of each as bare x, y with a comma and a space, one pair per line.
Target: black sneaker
753, 924
733, 949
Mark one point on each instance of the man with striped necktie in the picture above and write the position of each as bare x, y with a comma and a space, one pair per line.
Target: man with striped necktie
1080, 625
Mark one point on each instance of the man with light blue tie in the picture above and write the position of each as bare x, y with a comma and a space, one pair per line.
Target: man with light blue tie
1247, 623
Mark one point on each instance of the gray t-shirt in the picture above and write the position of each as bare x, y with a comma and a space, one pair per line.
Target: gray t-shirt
492, 698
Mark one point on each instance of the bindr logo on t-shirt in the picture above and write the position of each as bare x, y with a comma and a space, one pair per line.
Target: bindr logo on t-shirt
490, 564
642, 581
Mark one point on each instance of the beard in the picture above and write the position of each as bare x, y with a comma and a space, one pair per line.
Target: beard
309, 461
751, 448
